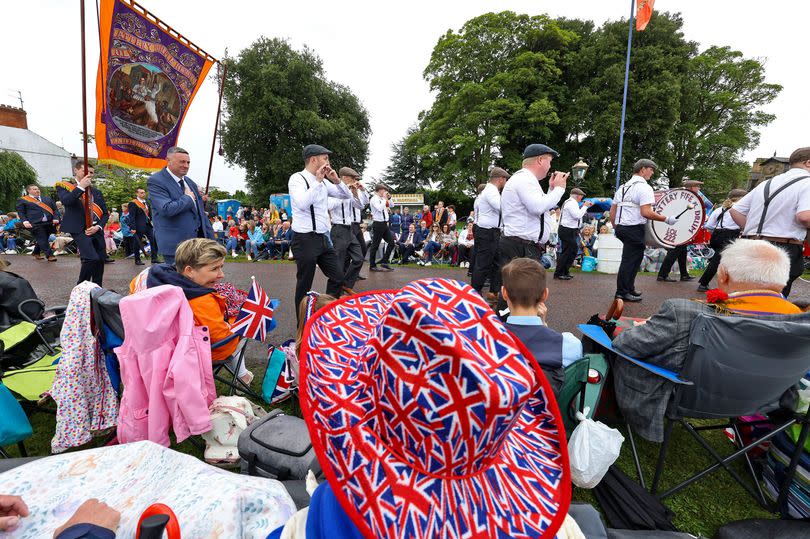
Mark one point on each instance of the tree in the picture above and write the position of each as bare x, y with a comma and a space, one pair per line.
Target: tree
406, 173
15, 174
278, 100
118, 184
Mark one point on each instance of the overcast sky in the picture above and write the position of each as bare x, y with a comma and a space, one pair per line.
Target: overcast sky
378, 49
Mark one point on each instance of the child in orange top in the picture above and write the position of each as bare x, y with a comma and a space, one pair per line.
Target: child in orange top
197, 268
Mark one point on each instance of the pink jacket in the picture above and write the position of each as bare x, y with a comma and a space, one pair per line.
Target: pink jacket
165, 368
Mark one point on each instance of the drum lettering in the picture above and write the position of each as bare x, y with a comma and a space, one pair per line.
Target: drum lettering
671, 235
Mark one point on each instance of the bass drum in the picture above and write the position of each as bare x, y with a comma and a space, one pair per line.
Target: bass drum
687, 207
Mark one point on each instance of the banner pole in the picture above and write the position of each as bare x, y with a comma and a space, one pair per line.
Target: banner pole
624, 99
87, 220
216, 124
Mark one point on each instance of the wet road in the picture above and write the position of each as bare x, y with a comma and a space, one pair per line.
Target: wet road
570, 302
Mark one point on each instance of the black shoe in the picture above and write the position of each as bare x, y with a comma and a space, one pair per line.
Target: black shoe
629, 297
687, 277
361, 277
636, 293
139, 263
386, 267
702, 288
155, 261
666, 279
109, 261
375, 268
564, 277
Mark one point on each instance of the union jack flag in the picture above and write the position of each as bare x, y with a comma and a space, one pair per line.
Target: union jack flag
255, 318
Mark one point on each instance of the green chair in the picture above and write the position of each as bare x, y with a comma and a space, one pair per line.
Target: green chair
27, 367
582, 388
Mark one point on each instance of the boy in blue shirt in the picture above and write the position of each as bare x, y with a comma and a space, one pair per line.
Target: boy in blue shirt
525, 292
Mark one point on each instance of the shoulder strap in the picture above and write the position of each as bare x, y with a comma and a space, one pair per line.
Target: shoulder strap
769, 197
311, 206
624, 192
720, 219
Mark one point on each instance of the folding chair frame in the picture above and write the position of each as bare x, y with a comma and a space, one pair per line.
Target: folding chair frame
59, 314
234, 383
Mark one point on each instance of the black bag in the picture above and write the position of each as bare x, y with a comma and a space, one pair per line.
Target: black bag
757, 528
628, 506
277, 446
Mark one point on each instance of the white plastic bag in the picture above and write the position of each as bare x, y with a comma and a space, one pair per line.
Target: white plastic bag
593, 447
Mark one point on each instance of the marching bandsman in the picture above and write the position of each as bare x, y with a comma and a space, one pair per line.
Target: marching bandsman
570, 222
310, 190
632, 206
357, 218
487, 233
679, 253
38, 214
89, 240
380, 212
140, 218
724, 230
778, 211
347, 247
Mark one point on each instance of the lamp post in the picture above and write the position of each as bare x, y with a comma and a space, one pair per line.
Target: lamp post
579, 170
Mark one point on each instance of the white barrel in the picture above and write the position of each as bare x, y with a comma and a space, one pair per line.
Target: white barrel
609, 254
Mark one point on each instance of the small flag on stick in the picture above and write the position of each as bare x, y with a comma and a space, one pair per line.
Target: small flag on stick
255, 318
644, 14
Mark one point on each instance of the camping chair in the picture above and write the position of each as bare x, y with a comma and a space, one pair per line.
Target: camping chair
47, 321
226, 373
738, 366
582, 388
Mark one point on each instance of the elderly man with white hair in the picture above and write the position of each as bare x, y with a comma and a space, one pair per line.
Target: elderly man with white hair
750, 278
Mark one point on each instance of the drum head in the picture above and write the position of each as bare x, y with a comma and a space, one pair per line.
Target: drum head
687, 207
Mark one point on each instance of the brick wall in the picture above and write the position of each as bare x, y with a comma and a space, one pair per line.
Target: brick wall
13, 117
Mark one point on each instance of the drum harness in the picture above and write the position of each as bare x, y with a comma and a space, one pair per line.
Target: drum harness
623, 203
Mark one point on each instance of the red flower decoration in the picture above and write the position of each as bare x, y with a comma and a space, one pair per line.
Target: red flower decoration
715, 295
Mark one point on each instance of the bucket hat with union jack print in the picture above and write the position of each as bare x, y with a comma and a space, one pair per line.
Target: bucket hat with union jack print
430, 420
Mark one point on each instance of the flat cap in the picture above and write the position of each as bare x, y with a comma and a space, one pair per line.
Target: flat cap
381, 185
346, 171
577, 191
498, 172
311, 150
737, 193
692, 183
644, 163
534, 150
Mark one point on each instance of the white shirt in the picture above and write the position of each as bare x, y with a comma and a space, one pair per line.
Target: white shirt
715, 222
488, 207
217, 226
341, 209
463, 240
780, 220
524, 204
629, 199
571, 214
357, 211
316, 196
451, 218
379, 209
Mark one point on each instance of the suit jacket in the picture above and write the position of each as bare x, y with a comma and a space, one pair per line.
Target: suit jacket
176, 217
73, 221
441, 219
664, 340
28, 211
284, 236
417, 238
138, 220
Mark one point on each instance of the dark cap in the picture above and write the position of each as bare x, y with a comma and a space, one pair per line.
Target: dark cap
535, 150
381, 185
577, 191
498, 172
311, 150
346, 171
737, 193
644, 163
692, 183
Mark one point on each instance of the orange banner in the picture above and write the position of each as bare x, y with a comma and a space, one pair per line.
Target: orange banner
644, 14
147, 78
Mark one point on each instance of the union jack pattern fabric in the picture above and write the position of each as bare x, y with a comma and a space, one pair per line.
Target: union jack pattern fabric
430, 419
255, 318
286, 383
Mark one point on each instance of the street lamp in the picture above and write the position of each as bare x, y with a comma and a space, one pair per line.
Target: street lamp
579, 171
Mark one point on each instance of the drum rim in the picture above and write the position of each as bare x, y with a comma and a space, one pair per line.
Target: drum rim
670, 245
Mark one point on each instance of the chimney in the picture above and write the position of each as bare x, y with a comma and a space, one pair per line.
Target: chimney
13, 117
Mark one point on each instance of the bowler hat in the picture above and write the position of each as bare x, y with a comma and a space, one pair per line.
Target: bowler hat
692, 183
535, 150
311, 150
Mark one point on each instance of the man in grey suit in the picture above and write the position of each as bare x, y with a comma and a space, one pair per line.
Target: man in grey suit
752, 273
178, 207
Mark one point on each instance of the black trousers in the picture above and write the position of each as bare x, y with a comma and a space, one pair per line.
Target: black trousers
41, 232
678, 253
568, 236
510, 248
486, 263
349, 253
720, 238
358, 233
379, 232
632, 255
463, 253
406, 251
310, 250
138, 245
796, 254
92, 253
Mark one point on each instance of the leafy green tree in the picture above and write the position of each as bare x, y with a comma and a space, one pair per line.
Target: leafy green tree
118, 184
278, 100
218, 194
406, 173
15, 174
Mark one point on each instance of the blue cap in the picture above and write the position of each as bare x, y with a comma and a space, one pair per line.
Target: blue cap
311, 150
534, 150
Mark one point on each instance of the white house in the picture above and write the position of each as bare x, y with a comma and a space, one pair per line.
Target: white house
50, 162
